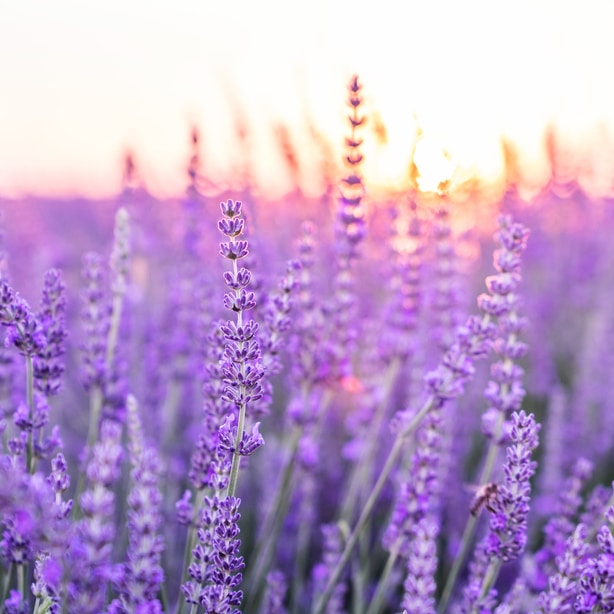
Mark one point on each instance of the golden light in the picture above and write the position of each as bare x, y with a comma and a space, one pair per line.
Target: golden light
471, 72
435, 165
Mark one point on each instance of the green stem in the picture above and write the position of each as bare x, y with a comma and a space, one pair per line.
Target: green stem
30, 461
21, 581
305, 524
236, 458
363, 466
261, 560
113, 334
169, 413
381, 591
300, 561
189, 546
360, 574
96, 399
7, 582
490, 576
365, 514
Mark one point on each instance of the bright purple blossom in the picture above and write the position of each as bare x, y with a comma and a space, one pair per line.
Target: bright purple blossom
275, 593
216, 566
49, 364
23, 329
420, 587
510, 509
95, 316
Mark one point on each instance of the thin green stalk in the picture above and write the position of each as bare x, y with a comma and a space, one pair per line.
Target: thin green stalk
169, 412
164, 598
305, 525
113, 335
189, 546
381, 591
96, 394
30, 462
490, 576
471, 524
363, 466
236, 458
21, 581
261, 560
96, 399
300, 563
7, 582
360, 575
365, 514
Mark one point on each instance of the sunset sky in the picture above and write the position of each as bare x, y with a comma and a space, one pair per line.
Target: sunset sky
82, 82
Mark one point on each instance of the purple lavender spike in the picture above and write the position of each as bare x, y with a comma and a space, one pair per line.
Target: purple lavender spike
49, 364
91, 547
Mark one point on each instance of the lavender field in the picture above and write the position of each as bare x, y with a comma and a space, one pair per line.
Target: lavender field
356, 403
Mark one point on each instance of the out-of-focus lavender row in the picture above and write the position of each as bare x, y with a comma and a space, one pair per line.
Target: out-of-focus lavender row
356, 404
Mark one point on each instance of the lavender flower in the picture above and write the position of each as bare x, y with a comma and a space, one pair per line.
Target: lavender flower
504, 391
596, 584
596, 590
507, 536
48, 365
242, 366
561, 525
277, 323
47, 584
445, 299
350, 231
142, 574
275, 593
508, 525
96, 321
446, 382
91, 548
59, 480
15, 604
309, 366
562, 585
419, 595
333, 546
24, 331
216, 565
215, 408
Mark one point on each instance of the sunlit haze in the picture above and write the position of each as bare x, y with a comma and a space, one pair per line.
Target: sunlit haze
85, 82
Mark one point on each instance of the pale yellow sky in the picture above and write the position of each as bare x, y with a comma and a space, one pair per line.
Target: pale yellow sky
81, 81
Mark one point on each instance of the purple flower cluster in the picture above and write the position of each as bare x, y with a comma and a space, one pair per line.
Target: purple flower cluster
216, 565
242, 365
510, 509
143, 574
48, 364
90, 551
23, 329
